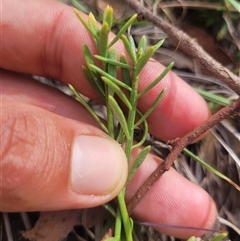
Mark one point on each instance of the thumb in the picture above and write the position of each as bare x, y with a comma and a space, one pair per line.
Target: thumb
49, 162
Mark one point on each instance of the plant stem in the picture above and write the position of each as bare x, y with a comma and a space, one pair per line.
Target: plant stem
132, 113
124, 214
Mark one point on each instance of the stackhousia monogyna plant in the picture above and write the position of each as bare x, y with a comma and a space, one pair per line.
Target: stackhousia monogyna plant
103, 78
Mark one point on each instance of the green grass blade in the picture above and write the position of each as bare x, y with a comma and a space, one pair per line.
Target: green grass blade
119, 114
103, 40
138, 161
113, 62
154, 105
123, 30
116, 81
86, 25
156, 81
118, 91
217, 99
129, 49
86, 105
210, 168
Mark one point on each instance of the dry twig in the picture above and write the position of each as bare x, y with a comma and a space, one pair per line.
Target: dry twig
179, 145
191, 48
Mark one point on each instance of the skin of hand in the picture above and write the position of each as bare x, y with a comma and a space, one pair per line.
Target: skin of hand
53, 155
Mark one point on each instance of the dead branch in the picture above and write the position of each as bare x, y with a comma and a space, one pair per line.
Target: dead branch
178, 145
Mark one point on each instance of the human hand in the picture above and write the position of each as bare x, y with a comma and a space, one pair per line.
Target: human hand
39, 126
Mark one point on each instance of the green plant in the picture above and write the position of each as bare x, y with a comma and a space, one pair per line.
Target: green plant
102, 70
104, 79
219, 237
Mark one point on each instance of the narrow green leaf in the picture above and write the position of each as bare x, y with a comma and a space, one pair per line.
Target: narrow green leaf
192, 238
80, 6
120, 134
156, 81
144, 59
235, 4
147, 55
138, 161
142, 43
87, 55
118, 91
220, 237
86, 25
158, 45
125, 72
126, 220
93, 24
211, 169
112, 69
116, 81
119, 114
86, 105
123, 30
213, 97
118, 225
94, 83
97, 81
103, 40
154, 105
145, 131
141, 47
112, 239
128, 47
108, 16
113, 62
133, 46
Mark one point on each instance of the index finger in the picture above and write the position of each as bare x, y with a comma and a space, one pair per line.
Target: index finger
45, 38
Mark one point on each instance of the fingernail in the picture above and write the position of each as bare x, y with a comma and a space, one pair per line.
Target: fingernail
97, 165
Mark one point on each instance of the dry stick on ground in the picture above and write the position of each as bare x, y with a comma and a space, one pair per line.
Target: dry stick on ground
179, 145
189, 46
